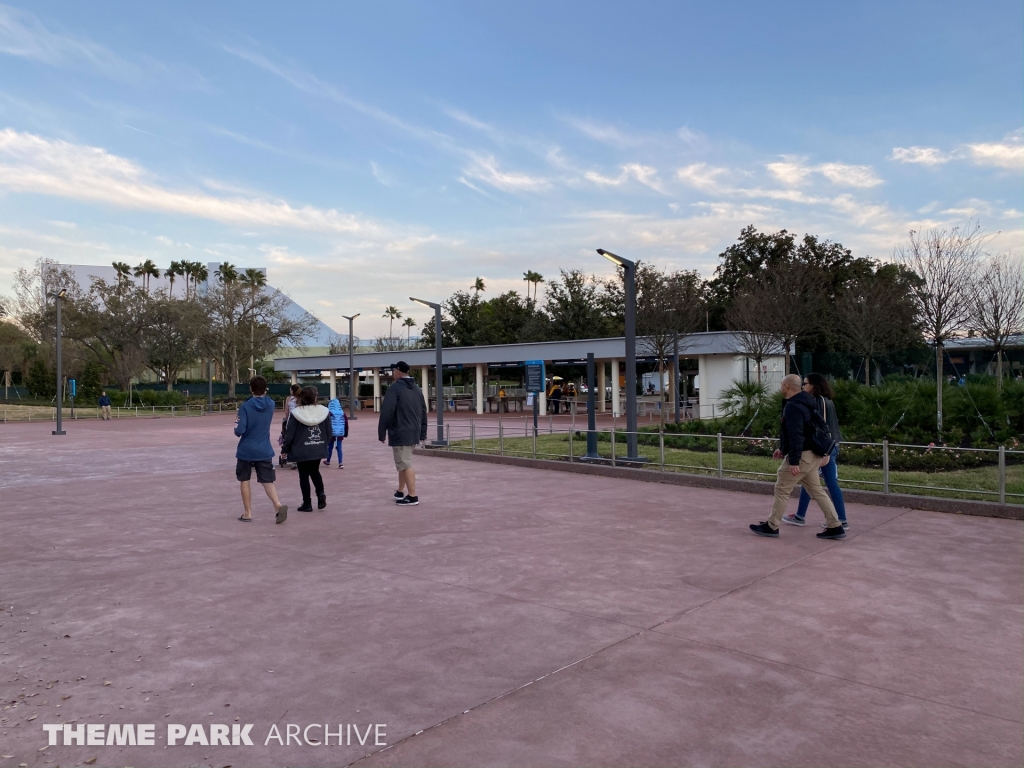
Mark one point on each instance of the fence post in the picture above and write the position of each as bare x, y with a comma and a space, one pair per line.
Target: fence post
472, 434
613, 442
501, 438
720, 472
661, 451
570, 446
885, 466
1002, 474
448, 436
535, 445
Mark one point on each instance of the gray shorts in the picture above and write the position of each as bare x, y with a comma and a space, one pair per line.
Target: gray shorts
403, 456
264, 471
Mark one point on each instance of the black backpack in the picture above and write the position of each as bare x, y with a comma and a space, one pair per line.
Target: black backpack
820, 440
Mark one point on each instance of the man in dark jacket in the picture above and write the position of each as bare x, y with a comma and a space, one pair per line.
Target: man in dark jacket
252, 428
403, 420
800, 464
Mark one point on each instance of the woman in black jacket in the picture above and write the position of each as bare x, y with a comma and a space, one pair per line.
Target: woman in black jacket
305, 442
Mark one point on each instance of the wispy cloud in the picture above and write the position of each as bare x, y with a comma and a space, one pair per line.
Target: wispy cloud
24, 36
701, 176
919, 155
605, 133
485, 168
793, 172
1008, 153
30, 163
644, 174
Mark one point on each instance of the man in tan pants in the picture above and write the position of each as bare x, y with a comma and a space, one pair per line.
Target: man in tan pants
799, 466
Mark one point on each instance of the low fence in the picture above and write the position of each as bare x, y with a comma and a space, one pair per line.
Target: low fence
987, 474
38, 413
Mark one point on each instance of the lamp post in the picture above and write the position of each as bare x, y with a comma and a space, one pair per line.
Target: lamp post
629, 275
439, 376
352, 386
58, 297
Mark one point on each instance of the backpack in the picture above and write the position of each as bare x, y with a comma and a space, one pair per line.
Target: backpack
820, 439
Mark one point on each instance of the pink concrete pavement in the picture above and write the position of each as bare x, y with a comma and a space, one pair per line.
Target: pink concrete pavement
516, 617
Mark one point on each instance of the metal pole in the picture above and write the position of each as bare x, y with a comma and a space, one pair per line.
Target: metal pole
352, 386
720, 469
661, 450
613, 443
675, 370
472, 434
501, 437
209, 384
631, 424
439, 375
1002, 474
570, 446
535, 444
591, 411
885, 466
60, 371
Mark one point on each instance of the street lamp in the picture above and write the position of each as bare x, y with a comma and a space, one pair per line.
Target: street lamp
629, 274
58, 297
439, 376
352, 386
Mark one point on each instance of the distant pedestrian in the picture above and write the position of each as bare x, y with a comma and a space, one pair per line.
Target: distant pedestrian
555, 395
403, 421
305, 442
800, 463
339, 431
252, 428
502, 400
104, 406
817, 386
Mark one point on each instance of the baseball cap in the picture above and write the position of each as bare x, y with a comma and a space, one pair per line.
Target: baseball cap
401, 365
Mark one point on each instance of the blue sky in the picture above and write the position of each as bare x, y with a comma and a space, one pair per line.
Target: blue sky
366, 152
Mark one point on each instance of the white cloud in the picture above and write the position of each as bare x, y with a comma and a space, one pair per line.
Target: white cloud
701, 176
644, 174
605, 133
24, 36
793, 172
1008, 153
30, 163
919, 155
485, 168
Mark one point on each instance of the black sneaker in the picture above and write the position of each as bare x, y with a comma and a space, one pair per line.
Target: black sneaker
321, 501
408, 501
833, 533
763, 529
399, 495
307, 506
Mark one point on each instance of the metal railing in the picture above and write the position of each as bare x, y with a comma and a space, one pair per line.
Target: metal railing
38, 413
983, 470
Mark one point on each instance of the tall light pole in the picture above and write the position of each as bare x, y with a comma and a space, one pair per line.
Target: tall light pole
58, 297
629, 275
352, 386
439, 376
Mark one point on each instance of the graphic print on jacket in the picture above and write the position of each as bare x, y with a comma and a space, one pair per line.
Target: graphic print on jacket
308, 432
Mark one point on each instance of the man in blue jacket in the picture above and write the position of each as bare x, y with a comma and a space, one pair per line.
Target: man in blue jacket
252, 427
403, 420
800, 465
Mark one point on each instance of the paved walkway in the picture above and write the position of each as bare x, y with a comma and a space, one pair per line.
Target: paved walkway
516, 617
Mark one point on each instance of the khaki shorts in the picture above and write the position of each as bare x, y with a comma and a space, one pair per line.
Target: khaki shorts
403, 456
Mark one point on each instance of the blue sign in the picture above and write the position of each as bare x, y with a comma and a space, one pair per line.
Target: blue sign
72, 385
534, 375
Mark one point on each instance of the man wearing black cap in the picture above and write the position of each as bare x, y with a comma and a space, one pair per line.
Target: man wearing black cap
403, 420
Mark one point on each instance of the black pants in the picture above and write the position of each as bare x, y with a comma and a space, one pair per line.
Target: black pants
307, 470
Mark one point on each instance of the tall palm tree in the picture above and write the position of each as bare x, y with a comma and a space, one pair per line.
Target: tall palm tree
176, 269
146, 270
409, 325
123, 272
227, 273
200, 274
532, 278
392, 313
253, 278
478, 286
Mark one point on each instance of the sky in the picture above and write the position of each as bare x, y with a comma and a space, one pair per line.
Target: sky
366, 152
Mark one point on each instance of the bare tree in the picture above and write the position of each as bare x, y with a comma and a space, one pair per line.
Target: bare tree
751, 319
30, 307
667, 304
126, 363
388, 344
11, 356
338, 344
876, 314
999, 304
945, 261
171, 335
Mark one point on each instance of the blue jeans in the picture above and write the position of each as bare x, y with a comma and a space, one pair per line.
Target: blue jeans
831, 476
335, 441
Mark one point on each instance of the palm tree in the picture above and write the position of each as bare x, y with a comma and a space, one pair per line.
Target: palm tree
146, 270
392, 313
253, 278
227, 273
532, 278
409, 325
123, 272
200, 274
478, 286
176, 269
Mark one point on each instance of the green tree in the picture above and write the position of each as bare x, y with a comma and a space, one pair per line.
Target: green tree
576, 308
40, 381
89, 385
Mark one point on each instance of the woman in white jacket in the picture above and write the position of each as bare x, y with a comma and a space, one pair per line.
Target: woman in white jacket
305, 442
